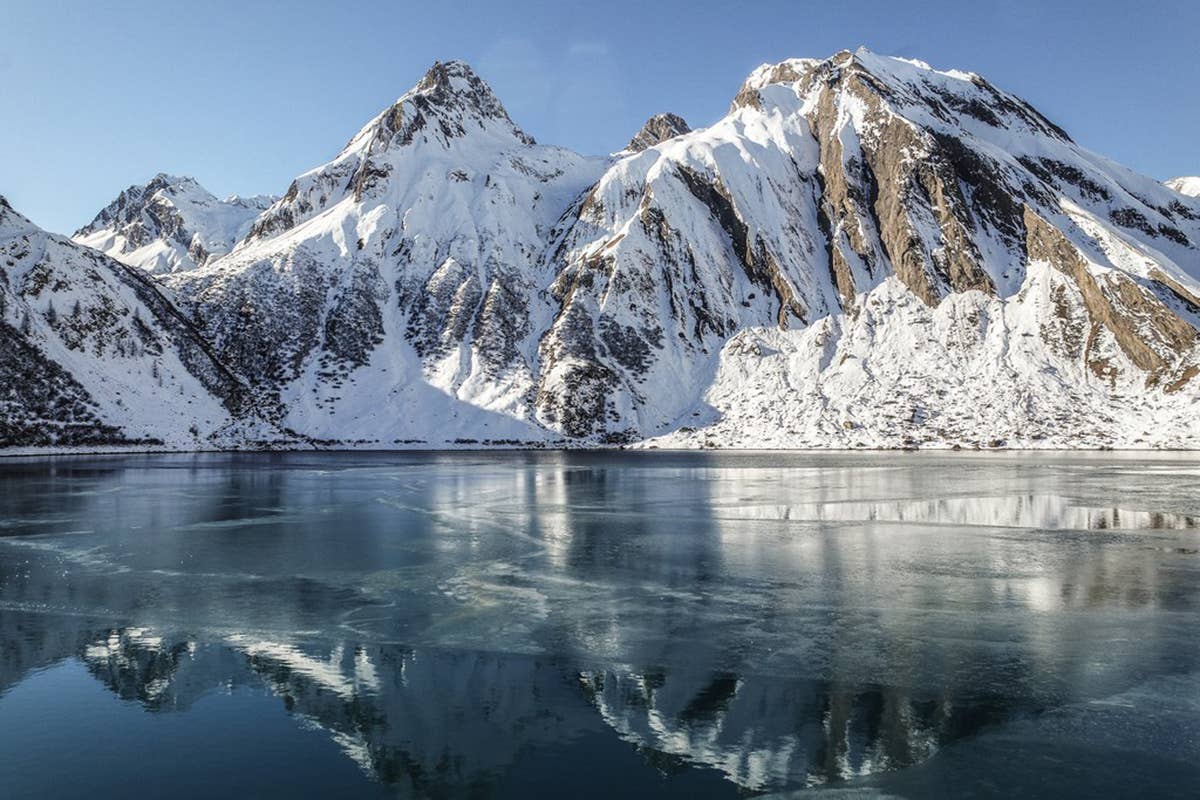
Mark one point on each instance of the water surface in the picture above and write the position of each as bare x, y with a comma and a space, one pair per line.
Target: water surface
600, 625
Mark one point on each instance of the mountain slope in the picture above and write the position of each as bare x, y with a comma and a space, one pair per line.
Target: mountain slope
170, 224
396, 292
835, 185
94, 355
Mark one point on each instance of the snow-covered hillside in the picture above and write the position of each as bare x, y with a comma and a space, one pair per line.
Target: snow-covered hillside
1186, 185
866, 251
170, 224
95, 356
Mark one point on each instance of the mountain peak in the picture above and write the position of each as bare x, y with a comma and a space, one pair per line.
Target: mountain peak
169, 223
8, 215
444, 74
13, 222
450, 95
658, 129
908, 86
454, 86
131, 202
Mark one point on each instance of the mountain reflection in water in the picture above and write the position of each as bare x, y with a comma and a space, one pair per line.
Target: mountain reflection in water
761, 622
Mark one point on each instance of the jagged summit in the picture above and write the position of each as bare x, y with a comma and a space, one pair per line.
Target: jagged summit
170, 223
925, 95
657, 129
10, 218
15, 225
256, 200
130, 202
448, 81
443, 74
449, 102
788, 71
453, 86
450, 113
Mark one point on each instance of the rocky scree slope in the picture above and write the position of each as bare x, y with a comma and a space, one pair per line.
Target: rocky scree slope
865, 251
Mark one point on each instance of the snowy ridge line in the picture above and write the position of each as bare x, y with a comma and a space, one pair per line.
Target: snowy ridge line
171, 223
865, 252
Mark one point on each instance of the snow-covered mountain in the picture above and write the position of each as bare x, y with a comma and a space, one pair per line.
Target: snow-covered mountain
398, 292
1189, 185
170, 224
865, 251
93, 355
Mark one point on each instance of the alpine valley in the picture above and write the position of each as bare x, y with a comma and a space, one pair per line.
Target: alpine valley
864, 252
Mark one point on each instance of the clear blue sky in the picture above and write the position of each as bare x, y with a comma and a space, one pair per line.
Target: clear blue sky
245, 94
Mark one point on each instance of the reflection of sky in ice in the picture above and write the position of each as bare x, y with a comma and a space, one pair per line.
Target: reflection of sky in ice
783, 620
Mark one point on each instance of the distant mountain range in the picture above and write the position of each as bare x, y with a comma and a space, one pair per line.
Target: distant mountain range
864, 252
171, 224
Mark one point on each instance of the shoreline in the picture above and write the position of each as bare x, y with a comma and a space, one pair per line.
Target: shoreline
114, 450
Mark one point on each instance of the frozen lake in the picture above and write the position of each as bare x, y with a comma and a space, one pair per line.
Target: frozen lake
600, 625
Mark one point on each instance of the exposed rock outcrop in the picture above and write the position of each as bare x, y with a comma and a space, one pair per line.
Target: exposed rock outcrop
657, 130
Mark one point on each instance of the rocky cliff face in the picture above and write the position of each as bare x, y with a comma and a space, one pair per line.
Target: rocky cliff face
170, 224
657, 130
865, 251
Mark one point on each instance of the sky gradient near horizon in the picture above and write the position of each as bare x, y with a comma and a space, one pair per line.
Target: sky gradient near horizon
245, 94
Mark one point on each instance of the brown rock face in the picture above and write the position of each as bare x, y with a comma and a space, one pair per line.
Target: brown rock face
657, 130
849, 194
896, 191
1152, 336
